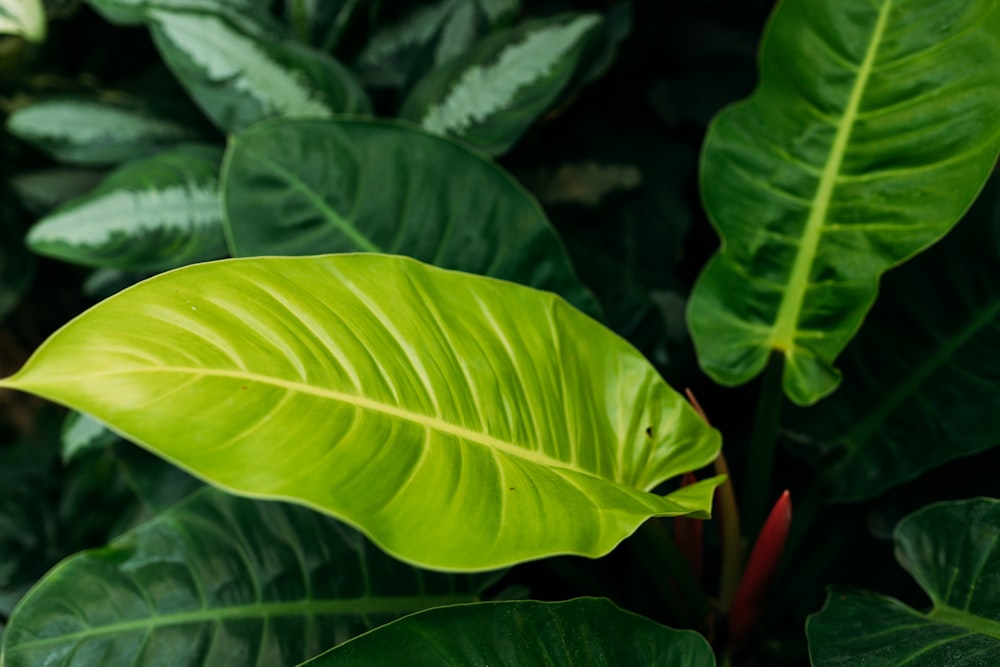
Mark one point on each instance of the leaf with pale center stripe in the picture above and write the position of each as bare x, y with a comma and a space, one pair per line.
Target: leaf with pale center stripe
492, 94
874, 126
239, 78
90, 132
148, 215
462, 422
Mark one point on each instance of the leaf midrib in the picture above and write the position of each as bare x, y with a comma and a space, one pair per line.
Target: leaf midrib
362, 402
783, 335
343, 606
966, 620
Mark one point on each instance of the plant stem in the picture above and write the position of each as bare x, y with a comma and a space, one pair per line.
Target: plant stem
668, 569
760, 456
732, 542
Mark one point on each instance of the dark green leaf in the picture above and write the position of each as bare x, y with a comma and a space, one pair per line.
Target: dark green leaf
950, 549
296, 187
41, 191
149, 215
219, 581
922, 380
585, 631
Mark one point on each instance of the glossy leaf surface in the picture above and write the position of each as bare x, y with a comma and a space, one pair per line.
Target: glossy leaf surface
950, 549
148, 215
922, 379
585, 631
873, 128
24, 18
82, 433
88, 132
462, 422
239, 78
248, 13
219, 581
305, 187
492, 94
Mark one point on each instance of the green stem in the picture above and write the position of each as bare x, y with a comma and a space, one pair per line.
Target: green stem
339, 25
760, 457
731, 537
669, 571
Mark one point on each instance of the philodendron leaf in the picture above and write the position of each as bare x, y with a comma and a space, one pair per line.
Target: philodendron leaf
218, 581
950, 549
873, 128
922, 384
463, 422
238, 78
24, 18
590, 631
298, 187
492, 94
89, 132
148, 215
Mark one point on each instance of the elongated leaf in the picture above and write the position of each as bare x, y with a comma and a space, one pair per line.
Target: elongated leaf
445, 27
41, 191
462, 422
238, 78
950, 549
297, 187
873, 128
148, 215
250, 15
88, 132
220, 581
491, 95
922, 381
590, 631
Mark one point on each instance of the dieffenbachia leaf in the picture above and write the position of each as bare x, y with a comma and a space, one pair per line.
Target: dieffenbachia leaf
88, 132
950, 549
591, 631
462, 422
218, 581
251, 16
445, 27
148, 215
306, 187
41, 191
922, 385
238, 78
493, 93
24, 18
874, 126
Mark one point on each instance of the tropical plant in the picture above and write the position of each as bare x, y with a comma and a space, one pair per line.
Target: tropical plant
385, 298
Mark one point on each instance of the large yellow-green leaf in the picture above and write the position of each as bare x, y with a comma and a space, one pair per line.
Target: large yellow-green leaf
462, 422
220, 581
872, 129
586, 631
951, 551
307, 187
